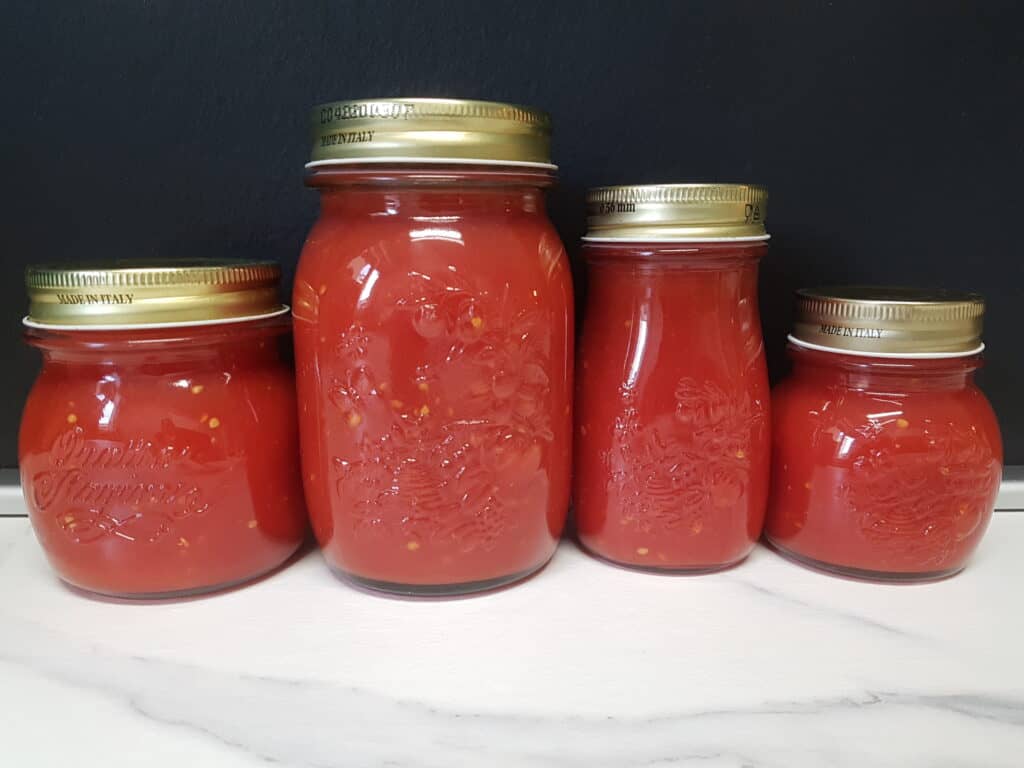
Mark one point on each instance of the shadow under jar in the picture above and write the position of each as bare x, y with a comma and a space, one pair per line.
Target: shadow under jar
886, 456
433, 329
671, 443
159, 447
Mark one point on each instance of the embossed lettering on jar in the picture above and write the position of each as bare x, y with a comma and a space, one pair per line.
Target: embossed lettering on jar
672, 393
433, 326
159, 446
886, 456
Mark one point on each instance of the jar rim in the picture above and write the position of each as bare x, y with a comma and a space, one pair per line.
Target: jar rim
799, 343
408, 160
415, 172
28, 322
681, 239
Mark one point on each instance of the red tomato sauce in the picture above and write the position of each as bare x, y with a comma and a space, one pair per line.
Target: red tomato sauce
672, 441
433, 329
884, 468
161, 462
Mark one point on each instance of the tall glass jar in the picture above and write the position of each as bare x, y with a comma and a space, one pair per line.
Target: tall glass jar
672, 443
433, 329
159, 446
886, 456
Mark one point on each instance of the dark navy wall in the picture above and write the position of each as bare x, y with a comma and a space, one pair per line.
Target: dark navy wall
889, 134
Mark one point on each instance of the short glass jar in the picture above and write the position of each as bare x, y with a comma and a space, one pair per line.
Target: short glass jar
158, 447
434, 333
886, 456
672, 443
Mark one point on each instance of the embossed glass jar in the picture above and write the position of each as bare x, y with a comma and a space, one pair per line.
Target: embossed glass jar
158, 447
433, 329
672, 442
886, 456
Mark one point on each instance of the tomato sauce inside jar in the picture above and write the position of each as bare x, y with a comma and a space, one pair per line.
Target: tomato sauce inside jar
159, 451
886, 456
433, 328
672, 435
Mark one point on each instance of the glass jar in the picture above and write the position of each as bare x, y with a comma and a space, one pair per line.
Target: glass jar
672, 443
886, 456
158, 447
433, 331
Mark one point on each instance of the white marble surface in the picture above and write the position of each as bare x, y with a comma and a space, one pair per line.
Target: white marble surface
767, 665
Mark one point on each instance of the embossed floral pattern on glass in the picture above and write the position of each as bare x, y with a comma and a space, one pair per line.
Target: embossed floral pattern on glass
433, 331
886, 468
672, 407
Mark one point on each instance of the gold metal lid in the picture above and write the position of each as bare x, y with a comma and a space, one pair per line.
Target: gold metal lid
430, 130
673, 212
159, 293
883, 321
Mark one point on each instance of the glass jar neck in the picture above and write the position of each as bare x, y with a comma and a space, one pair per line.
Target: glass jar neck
675, 256
884, 375
426, 191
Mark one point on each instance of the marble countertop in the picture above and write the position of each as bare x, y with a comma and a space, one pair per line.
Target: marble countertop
767, 665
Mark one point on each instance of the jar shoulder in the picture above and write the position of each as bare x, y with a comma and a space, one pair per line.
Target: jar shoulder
847, 423
384, 267
337, 244
212, 407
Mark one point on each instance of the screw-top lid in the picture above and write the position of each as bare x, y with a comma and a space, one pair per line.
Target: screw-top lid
132, 294
884, 321
430, 130
677, 212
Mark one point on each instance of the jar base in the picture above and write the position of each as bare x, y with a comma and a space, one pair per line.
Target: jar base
696, 570
180, 594
861, 574
459, 589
